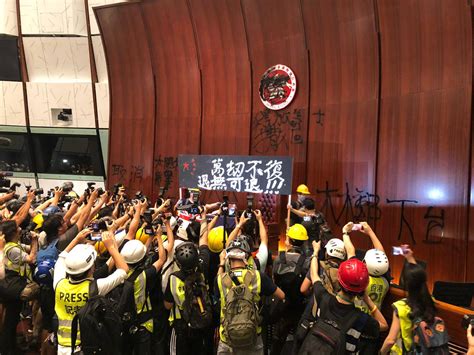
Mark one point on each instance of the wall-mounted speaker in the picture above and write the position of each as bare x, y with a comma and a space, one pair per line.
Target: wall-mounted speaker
9, 59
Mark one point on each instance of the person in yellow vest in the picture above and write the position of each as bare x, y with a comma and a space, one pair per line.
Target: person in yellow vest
252, 285
377, 264
418, 304
16, 261
193, 264
138, 339
73, 275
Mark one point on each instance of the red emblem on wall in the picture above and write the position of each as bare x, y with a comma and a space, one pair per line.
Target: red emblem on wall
277, 87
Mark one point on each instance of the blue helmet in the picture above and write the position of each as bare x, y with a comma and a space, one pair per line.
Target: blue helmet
44, 272
51, 210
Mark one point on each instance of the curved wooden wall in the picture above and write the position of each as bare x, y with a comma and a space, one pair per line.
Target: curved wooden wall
132, 102
275, 35
382, 111
178, 86
344, 61
425, 118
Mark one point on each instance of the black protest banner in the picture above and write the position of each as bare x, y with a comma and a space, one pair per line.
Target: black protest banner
251, 174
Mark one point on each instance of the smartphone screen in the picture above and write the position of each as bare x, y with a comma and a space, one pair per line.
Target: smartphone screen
232, 208
397, 251
96, 236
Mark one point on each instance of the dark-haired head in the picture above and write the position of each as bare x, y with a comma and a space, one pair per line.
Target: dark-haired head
10, 230
53, 225
419, 297
308, 204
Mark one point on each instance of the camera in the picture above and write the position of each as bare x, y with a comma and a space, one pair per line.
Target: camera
67, 187
38, 192
248, 212
468, 319
4, 182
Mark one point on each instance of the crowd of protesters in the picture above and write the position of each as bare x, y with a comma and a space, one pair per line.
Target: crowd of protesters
113, 272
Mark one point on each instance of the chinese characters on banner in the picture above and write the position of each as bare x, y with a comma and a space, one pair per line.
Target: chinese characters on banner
251, 174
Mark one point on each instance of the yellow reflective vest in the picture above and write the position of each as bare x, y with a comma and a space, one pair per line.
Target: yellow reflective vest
224, 283
377, 289
22, 268
70, 298
406, 327
142, 300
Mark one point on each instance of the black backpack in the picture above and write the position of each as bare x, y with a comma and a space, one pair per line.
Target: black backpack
289, 275
99, 323
124, 297
197, 307
333, 338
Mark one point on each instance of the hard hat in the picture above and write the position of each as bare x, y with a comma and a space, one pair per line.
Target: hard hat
297, 232
51, 210
238, 249
353, 276
303, 189
38, 220
80, 259
141, 235
193, 189
186, 256
100, 248
216, 240
133, 251
376, 262
335, 248
44, 272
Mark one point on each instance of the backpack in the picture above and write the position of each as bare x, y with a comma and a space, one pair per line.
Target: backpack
46, 258
100, 325
332, 338
430, 339
124, 298
241, 317
197, 307
329, 277
289, 275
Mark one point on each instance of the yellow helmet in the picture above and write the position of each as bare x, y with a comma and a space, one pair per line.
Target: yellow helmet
215, 239
141, 235
303, 189
38, 219
100, 247
297, 232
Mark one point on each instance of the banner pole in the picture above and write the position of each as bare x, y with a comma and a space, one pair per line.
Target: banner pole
288, 213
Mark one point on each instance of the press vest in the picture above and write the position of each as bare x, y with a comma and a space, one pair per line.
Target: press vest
22, 268
406, 327
377, 289
70, 298
142, 300
255, 288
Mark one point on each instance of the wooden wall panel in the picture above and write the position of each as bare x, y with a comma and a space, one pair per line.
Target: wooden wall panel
344, 62
275, 34
131, 96
424, 140
178, 87
226, 85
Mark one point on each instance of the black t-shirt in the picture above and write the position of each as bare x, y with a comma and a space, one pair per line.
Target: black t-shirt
337, 311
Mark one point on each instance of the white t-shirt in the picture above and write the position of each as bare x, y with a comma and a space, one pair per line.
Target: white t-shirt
170, 266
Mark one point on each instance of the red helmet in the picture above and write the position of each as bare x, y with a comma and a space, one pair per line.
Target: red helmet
353, 275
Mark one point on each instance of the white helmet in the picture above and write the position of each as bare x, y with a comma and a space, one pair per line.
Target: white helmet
335, 248
80, 259
376, 261
133, 251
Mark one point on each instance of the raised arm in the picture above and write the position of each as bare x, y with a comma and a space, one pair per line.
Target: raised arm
161, 254
236, 231
73, 209
261, 227
314, 268
203, 232
350, 250
375, 312
57, 196
31, 258
366, 229
132, 231
85, 212
24, 209
7, 197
